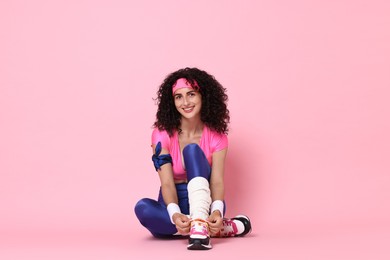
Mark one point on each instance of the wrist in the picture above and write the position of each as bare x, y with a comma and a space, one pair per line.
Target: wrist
172, 209
217, 205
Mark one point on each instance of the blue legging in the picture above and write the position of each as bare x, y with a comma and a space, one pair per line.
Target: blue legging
153, 214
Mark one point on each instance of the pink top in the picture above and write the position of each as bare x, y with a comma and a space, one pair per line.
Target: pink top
210, 142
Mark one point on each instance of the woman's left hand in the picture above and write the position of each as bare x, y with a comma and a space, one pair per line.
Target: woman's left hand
215, 222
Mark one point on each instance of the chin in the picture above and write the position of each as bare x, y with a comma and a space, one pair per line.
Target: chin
188, 116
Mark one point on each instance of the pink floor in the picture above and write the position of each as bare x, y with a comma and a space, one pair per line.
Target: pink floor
131, 244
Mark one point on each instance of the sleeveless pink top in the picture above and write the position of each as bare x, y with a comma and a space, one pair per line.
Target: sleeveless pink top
210, 142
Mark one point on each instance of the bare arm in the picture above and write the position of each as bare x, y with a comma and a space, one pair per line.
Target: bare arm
168, 187
217, 186
169, 193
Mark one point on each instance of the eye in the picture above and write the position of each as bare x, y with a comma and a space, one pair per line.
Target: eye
177, 97
191, 94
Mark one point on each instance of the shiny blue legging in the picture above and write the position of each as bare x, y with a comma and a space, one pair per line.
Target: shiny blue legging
154, 215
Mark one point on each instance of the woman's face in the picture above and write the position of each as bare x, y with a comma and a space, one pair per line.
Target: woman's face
188, 102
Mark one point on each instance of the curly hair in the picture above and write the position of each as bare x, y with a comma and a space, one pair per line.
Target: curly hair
214, 113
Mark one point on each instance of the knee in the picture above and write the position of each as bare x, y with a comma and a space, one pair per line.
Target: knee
142, 208
191, 149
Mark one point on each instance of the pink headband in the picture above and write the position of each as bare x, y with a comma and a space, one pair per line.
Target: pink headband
182, 83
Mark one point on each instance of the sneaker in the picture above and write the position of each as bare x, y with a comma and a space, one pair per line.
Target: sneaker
238, 226
199, 235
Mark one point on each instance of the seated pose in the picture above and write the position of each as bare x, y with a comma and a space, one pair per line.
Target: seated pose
189, 142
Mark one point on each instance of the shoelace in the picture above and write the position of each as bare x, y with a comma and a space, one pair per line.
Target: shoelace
199, 228
229, 228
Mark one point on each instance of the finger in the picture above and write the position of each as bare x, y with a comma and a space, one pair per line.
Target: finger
214, 224
184, 231
211, 220
187, 221
184, 225
213, 232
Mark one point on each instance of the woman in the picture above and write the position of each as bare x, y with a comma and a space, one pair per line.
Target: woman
189, 144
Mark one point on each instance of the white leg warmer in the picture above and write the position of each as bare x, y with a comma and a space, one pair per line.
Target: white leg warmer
199, 197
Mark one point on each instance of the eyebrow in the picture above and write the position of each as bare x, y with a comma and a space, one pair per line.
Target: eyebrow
180, 94
191, 91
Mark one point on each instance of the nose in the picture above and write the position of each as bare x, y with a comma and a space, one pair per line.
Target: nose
185, 100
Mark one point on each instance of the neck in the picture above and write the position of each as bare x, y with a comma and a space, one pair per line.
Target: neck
191, 126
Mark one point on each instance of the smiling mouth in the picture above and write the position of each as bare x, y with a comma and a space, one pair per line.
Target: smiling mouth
188, 109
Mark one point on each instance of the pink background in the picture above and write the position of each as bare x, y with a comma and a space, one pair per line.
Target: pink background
308, 85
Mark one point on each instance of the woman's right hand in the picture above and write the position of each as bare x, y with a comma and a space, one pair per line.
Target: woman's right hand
182, 222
